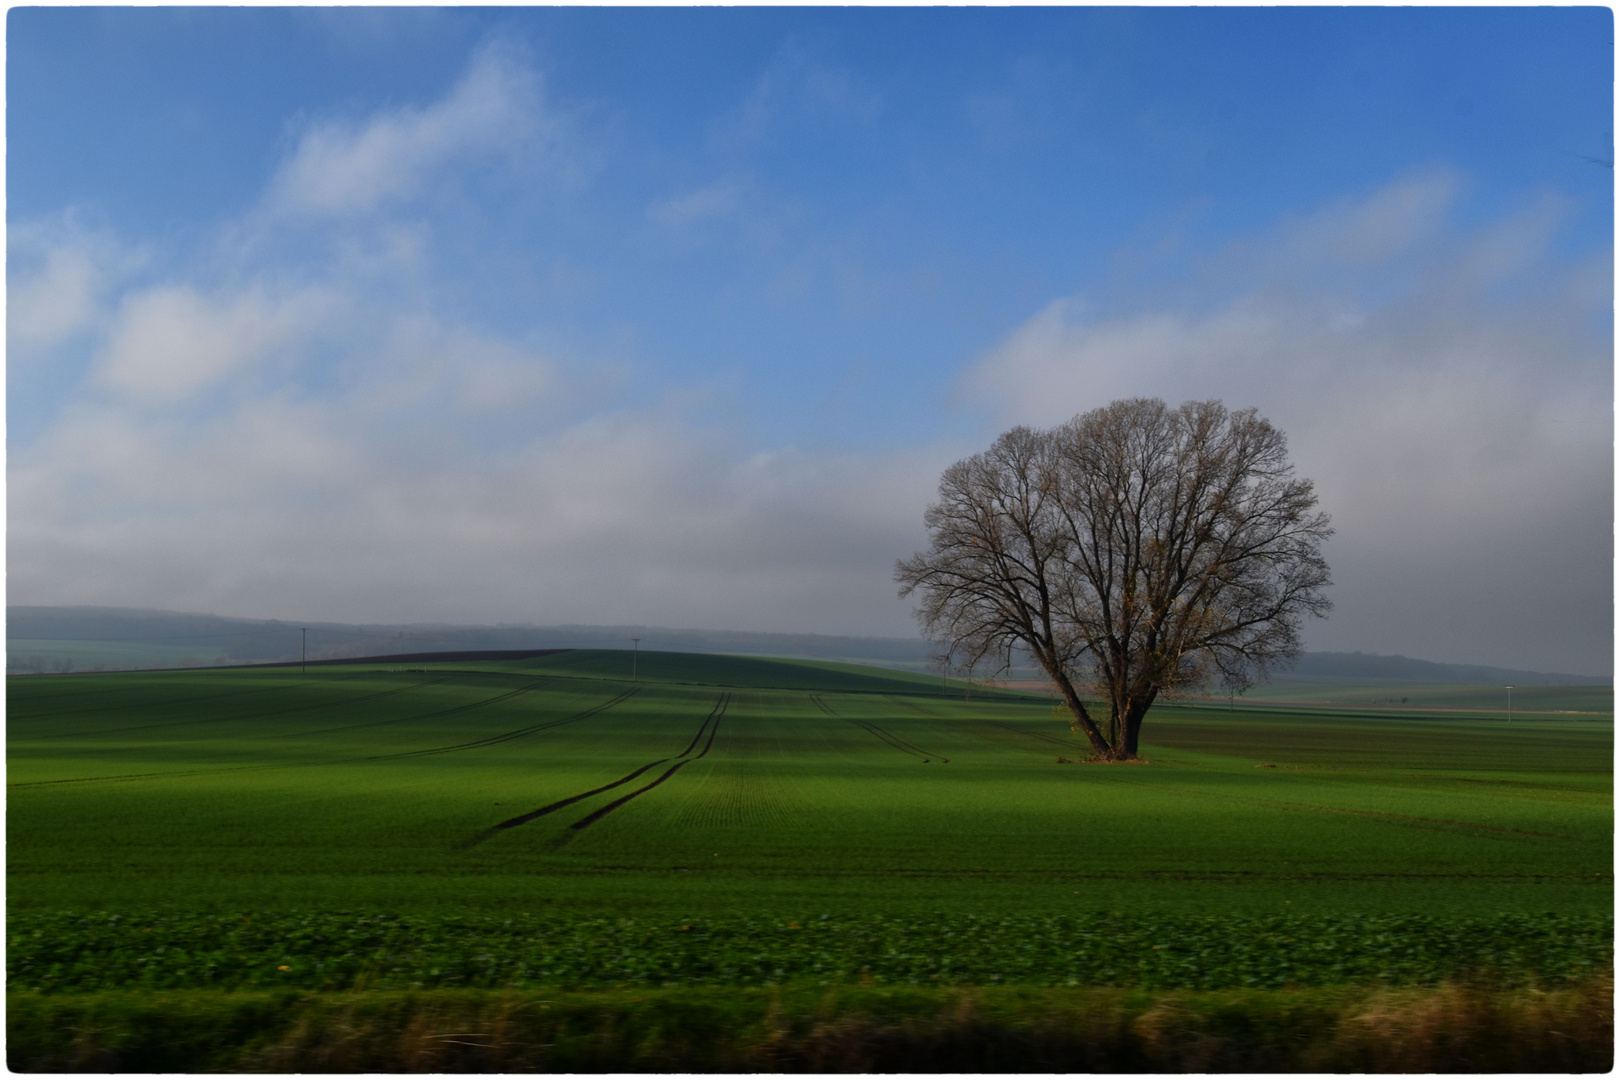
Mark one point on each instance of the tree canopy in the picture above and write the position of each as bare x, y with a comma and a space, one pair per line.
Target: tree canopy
1134, 549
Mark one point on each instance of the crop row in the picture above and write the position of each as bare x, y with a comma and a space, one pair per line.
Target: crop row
76, 951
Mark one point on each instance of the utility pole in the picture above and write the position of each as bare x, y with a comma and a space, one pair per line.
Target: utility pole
635, 655
1509, 689
303, 650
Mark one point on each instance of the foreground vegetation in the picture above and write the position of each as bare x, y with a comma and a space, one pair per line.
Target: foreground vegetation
377, 951
292, 857
1449, 1028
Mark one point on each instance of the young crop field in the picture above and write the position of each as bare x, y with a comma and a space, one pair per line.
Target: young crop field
551, 822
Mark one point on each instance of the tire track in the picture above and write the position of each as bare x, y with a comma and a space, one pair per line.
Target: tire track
169, 703
508, 736
551, 808
1067, 744
597, 815
1382, 817
314, 707
887, 737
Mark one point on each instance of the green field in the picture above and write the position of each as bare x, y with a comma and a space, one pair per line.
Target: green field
815, 789
40, 655
729, 821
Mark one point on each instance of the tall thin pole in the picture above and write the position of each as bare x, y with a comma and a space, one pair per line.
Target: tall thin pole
1509, 689
303, 650
635, 654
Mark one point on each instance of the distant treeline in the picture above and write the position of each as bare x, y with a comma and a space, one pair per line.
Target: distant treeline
175, 639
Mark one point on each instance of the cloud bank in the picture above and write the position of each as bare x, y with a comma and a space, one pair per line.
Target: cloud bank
302, 432
1449, 389
293, 423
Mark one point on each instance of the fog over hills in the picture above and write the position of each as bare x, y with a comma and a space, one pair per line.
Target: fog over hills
44, 638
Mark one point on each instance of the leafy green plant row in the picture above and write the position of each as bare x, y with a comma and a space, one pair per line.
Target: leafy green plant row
69, 951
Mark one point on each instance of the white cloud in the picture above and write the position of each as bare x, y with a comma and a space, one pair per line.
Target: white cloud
1446, 389
171, 341
717, 200
58, 274
285, 507
311, 434
343, 168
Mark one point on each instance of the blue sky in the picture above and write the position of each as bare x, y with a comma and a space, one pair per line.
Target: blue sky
674, 316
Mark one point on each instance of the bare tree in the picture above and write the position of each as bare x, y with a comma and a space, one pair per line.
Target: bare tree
1135, 549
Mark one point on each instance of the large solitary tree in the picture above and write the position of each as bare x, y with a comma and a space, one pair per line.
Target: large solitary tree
1133, 550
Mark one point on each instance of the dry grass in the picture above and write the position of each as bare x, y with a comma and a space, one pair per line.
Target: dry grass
1449, 1028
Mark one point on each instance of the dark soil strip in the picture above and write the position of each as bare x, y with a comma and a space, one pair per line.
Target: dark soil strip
597, 815
407, 658
509, 736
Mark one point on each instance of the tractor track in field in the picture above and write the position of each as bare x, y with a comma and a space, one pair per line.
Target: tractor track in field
889, 738
597, 815
711, 724
419, 716
316, 707
1067, 744
506, 736
167, 704
1411, 821
492, 741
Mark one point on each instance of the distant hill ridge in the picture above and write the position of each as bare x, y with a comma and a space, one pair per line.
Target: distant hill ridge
238, 640
1358, 665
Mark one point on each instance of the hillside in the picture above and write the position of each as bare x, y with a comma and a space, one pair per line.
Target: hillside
83, 638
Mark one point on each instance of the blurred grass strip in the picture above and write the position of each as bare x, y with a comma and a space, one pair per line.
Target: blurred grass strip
1453, 1027
337, 951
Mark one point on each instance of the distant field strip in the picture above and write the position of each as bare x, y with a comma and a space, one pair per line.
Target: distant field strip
713, 724
887, 737
508, 736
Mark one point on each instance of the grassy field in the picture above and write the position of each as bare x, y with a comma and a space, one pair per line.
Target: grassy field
738, 821
802, 789
39, 655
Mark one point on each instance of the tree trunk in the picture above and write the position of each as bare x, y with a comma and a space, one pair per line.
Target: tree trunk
1083, 720
1133, 726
